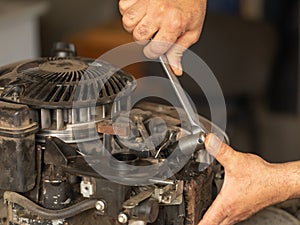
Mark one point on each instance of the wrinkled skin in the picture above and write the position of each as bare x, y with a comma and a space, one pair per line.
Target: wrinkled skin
250, 184
173, 25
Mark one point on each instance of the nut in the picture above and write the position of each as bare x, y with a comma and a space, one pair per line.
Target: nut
122, 218
100, 205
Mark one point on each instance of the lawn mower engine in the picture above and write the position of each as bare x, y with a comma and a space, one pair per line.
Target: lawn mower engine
74, 152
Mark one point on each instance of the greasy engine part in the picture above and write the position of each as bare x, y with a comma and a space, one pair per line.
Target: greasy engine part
17, 148
48, 179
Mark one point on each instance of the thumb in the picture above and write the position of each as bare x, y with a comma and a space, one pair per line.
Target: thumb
222, 152
174, 56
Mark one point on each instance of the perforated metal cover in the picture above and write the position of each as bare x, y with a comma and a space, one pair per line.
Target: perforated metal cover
57, 82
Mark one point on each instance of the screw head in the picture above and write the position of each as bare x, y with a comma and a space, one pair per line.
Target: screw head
100, 205
122, 218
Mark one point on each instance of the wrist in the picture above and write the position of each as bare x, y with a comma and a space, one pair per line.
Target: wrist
293, 171
289, 179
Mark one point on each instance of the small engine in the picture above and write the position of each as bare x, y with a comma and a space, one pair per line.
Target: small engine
74, 152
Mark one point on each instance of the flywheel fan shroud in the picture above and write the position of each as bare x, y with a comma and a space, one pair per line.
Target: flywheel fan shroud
58, 82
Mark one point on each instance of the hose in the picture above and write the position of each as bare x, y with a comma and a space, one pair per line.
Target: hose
13, 197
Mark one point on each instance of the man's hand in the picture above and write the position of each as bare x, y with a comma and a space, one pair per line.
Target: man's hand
250, 184
174, 26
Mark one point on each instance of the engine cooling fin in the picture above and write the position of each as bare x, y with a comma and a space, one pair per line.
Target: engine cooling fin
59, 82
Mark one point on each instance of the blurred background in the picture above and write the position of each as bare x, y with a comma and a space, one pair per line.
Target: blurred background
250, 45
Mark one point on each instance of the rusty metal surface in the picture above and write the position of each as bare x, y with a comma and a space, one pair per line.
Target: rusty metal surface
17, 163
198, 196
106, 127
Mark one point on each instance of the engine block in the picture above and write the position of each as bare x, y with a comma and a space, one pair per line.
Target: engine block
72, 152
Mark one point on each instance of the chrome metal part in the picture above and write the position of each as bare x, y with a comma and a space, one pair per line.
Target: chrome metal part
136, 222
135, 200
163, 182
196, 127
86, 189
170, 194
100, 205
87, 131
122, 218
170, 139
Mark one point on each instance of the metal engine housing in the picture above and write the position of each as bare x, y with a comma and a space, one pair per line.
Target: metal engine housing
47, 178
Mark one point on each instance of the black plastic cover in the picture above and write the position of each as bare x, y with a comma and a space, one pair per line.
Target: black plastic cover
17, 148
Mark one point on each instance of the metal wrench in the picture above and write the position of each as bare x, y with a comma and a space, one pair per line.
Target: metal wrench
196, 126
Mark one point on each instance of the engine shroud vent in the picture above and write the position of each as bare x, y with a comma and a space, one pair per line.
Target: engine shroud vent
58, 82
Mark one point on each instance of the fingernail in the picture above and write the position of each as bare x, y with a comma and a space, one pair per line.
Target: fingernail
213, 144
177, 69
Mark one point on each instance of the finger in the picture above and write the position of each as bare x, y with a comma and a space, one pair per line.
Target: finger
222, 152
125, 4
145, 30
169, 31
161, 43
215, 215
133, 15
176, 52
174, 56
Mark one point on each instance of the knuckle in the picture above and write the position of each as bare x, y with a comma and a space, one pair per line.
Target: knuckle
175, 23
129, 19
162, 7
175, 20
127, 25
129, 16
126, 22
141, 32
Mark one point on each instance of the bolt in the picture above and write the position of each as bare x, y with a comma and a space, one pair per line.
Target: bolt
100, 205
122, 218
